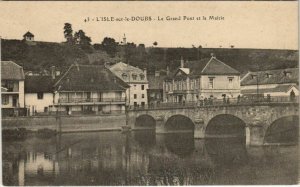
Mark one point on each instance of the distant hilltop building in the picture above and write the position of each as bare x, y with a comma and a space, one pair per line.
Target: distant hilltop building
28, 36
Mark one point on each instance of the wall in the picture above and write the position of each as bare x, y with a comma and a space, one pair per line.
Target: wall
31, 100
220, 86
138, 91
21, 94
69, 123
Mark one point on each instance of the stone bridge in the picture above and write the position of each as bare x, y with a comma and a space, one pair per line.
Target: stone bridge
256, 122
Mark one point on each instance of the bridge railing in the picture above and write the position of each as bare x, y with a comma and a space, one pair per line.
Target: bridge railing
219, 102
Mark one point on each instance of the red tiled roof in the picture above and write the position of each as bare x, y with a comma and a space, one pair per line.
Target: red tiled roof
277, 77
89, 78
11, 71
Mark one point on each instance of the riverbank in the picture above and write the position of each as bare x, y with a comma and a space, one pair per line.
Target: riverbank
83, 123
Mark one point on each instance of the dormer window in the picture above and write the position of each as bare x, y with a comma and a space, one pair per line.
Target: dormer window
253, 76
142, 76
124, 76
287, 74
134, 76
268, 75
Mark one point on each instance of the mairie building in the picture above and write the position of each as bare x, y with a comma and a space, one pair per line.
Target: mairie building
206, 78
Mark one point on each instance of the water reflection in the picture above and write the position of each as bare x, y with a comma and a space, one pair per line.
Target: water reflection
227, 151
143, 158
181, 144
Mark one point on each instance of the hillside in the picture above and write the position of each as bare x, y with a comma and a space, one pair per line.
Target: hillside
42, 55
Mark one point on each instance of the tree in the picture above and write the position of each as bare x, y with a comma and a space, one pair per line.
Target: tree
68, 32
155, 43
109, 45
82, 39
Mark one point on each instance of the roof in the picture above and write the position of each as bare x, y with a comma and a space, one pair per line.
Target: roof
217, 67
35, 84
205, 66
11, 71
185, 70
121, 68
156, 82
278, 76
89, 78
279, 88
29, 34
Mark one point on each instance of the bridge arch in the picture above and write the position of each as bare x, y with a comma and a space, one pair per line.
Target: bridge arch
179, 122
283, 130
226, 125
145, 121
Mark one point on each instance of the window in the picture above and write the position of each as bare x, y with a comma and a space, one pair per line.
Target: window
134, 87
124, 76
143, 104
40, 95
142, 76
211, 83
230, 80
143, 87
143, 96
5, 99
134, 96
134, 76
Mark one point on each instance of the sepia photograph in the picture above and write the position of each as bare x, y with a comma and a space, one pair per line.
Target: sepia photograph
149, 93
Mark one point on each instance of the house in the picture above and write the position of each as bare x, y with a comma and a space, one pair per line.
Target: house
207, 78
12, 89
89, 89
279, 82
155, 90
136, 79
39, 94
28, 36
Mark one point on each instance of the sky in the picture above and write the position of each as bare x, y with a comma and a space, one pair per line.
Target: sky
251, 24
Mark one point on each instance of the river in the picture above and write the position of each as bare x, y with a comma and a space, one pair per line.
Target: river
144, 158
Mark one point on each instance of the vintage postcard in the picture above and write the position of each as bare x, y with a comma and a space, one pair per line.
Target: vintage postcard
149, 93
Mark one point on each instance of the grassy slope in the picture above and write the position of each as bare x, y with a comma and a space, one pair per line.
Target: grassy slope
40, 55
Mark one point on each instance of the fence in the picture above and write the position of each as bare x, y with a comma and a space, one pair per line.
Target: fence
220, 102
91, 100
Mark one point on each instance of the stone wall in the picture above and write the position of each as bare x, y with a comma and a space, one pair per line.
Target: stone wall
68, 123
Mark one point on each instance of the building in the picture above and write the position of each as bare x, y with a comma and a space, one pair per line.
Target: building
280, 82
12, 89
137, 79
155, 90
28, 36
89, 89
39, 94
207, 78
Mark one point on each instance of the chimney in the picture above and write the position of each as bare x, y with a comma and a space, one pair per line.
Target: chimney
145, 73
212, 55
181, 62
168, 70
52, 69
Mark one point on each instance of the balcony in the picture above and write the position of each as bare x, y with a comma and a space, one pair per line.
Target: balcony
119, 100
